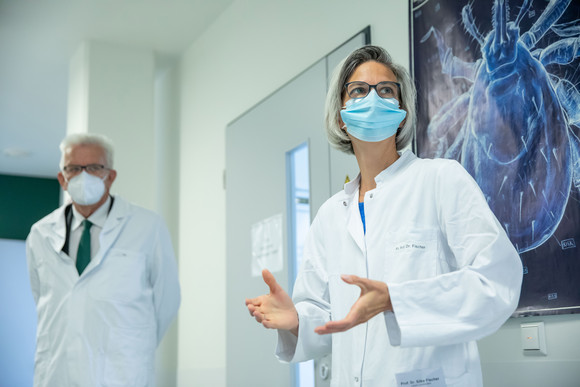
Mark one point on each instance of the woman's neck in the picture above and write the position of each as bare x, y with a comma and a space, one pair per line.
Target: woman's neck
372, 159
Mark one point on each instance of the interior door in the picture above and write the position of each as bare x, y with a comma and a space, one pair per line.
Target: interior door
256, 146
256, 190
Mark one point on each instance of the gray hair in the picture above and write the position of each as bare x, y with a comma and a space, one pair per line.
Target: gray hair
338, 137
87, 139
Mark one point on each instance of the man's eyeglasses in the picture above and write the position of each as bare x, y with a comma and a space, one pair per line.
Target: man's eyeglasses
386, 89
93, 169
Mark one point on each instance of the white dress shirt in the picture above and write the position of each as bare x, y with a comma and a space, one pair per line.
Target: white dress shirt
97, 218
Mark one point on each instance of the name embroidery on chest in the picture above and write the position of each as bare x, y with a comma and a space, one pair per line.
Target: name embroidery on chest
410, 246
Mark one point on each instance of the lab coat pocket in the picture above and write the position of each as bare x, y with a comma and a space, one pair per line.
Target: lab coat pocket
411, 255
121, 277
455, 361
129, 357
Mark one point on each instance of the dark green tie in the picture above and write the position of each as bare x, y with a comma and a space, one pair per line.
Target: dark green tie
84, 251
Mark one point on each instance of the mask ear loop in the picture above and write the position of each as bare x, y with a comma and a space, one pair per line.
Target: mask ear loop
343, 127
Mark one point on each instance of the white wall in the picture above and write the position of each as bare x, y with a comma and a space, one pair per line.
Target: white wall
114, 90
166, 173
111, 92
250, 51
504, 363
17, 316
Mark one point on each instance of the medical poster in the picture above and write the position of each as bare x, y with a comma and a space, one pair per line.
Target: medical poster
498, 90
267, 245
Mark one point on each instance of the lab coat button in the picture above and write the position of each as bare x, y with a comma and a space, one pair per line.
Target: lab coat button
344, 203
356, 379
371, 196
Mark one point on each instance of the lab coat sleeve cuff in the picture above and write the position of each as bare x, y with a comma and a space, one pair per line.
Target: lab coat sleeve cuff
393, 329
308, 345
286, 346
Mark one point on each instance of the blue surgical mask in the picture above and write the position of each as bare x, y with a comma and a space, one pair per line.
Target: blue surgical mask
372, 118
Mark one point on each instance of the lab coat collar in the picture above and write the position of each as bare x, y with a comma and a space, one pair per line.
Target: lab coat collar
352, 186
121, 209
111, 229
349, 199
406, 158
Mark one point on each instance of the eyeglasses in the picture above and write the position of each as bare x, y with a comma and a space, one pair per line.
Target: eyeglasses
93, 169
386, 89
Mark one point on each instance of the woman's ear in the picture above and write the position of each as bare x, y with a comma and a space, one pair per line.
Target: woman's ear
341, 123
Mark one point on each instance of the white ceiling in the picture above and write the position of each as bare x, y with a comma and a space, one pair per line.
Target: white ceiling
37, 39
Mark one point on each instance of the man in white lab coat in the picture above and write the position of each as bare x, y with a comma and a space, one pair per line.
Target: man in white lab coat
104, 278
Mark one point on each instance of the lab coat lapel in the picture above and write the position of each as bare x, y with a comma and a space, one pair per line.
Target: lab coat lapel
112, 228
57, 238
354, 224
349, 205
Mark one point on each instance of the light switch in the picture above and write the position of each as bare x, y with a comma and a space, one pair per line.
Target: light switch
533, 338
530, 339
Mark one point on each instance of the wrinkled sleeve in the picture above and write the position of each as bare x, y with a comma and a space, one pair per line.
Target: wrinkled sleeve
32, 267
472, 301
165, 281
311, 298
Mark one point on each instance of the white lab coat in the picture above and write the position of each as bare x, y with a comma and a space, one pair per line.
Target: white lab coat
102, 329
453, 276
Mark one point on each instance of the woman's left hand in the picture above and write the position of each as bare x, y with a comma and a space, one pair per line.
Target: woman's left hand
374, 299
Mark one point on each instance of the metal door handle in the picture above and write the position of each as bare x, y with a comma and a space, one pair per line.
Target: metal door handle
324, 371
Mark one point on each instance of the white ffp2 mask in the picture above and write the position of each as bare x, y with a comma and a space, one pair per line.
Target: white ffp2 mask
86, 189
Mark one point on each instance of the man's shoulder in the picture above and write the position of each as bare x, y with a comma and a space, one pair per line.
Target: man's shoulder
52, 217
49, 224
123, 207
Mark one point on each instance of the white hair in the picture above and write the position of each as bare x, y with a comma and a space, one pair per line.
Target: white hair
338, 137
87, 139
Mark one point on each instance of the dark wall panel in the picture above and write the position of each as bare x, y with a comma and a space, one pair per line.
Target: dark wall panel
23, 201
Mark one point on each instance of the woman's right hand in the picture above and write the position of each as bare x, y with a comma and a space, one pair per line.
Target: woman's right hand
275, 310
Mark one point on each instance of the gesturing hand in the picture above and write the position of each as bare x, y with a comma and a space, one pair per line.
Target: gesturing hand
275, 310
374, 299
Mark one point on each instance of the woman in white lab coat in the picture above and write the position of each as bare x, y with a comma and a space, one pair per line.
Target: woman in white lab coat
407, 266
